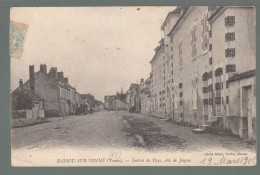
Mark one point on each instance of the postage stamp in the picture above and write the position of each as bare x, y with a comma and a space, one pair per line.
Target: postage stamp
18, 32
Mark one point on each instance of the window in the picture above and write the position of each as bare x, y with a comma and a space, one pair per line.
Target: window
172, 80
210, 33
210, 47
180, 54
172, 64
180, 85
230, 21
210, 74
230, 52
210, 88
230, 68
205, 31
171, 39
218, 100
171, 56
205, 43
194, 50
230, 36
210, 60
217, 86
205, 101
171, 49
227, 99
193, 42
172, 72
205, 89
227, 85
193, 35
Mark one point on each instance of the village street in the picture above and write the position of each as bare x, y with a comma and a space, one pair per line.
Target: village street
120, 130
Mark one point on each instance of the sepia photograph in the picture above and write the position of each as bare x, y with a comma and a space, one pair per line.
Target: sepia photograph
133, 86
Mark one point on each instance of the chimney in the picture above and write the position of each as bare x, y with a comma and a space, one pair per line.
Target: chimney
60, 76
66, 80
32, 77
43, 68
53, 72
21, 84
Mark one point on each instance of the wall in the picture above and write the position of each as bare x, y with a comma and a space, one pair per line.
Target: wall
192, 67
245, 39
120, 105
48, 90
234, 120
158, 84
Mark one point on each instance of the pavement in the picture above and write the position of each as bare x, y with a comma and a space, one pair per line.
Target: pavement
120, 130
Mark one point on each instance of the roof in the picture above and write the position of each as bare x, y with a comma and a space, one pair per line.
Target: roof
241, 76
148, 81
185, 9
156, 52
216, 13
221, 9
177, 10
91, 99
64, 84
28, 91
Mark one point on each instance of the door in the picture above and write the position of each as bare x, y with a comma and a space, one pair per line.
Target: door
247, 98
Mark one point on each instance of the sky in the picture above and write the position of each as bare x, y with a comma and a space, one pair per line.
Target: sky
99, 49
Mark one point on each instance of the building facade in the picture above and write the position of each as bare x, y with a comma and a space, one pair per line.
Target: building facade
133, 100
26, 103
145, 95
203, 49
59, 97
116, 102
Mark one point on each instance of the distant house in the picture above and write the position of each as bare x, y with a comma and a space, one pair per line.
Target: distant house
108, 100
145, 90
81, 104
94, 104
26, 103
133, 100
59, 97
115, 102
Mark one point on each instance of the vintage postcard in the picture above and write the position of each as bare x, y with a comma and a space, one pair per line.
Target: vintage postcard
133, 86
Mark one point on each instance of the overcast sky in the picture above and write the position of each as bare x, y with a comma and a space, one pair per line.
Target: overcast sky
99, 49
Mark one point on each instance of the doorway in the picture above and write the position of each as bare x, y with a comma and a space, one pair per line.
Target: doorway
247, 124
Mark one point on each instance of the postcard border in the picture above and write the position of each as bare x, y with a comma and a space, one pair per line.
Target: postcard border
5, 146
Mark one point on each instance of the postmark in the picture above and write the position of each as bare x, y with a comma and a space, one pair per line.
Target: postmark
18, 33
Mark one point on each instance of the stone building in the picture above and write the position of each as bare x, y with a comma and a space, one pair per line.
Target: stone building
115, 102
195, 66
108, 101
145, 95
59, 97
133, 100
26, 103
